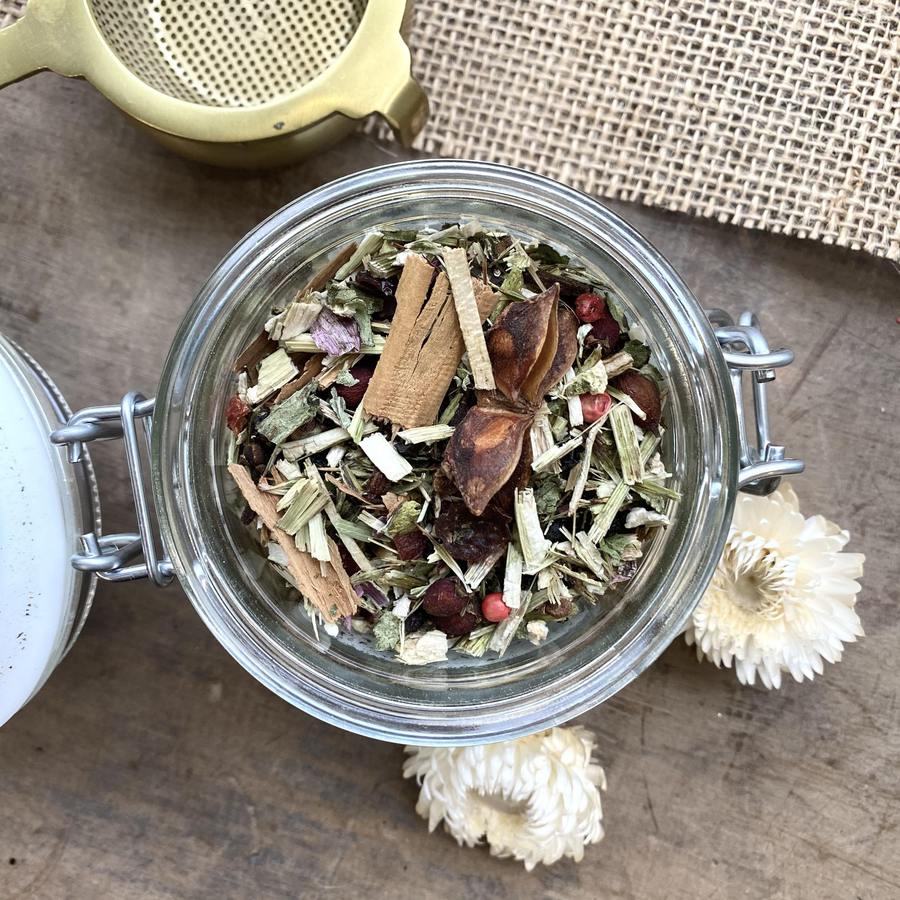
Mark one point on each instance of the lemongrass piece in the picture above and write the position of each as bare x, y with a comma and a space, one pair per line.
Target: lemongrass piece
304, 343
541, 437
506, 630
303, 501
355, 551
290, 470
512, 577
477, 572
426, 434
377, 525
546, 459
318, 540
583, 468
618, 363
441, 554
534, 545
293, 321
622, 397
275, 371
353, 530
655, 489
573, 404
648, 447
476, 642
385, 457
604, 515
626, 444
457, 265
586, 550
371, 242
315, 443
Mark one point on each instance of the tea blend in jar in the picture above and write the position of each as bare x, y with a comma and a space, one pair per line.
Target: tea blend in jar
448, 440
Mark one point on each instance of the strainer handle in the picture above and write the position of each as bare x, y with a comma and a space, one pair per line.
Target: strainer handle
406, 111
39, 40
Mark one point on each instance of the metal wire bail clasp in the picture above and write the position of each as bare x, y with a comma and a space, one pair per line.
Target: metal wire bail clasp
110, 555
746, 350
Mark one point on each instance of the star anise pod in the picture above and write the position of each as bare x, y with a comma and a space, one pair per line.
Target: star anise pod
531, 346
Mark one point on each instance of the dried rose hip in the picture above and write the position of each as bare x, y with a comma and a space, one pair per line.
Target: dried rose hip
560, 610
236, 414
376, 487
466, 537
605, 332
351, 394
589, 307
441, 599
595, 406
458, 625
645, 393
413, 545
493, 608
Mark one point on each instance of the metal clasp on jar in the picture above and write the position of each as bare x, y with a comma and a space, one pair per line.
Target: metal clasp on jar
112, 556
763, 463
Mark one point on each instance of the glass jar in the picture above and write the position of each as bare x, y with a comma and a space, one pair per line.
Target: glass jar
463, 700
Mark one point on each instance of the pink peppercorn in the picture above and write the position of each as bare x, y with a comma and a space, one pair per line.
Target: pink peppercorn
493, 608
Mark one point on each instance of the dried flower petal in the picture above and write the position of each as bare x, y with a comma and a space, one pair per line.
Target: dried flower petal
334, 334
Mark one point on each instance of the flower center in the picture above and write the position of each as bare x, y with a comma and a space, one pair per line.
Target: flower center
760, 577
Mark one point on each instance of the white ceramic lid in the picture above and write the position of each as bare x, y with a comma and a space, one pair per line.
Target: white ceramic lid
42, 598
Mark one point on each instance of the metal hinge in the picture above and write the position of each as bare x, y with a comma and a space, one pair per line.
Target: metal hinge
111, 556
746, 350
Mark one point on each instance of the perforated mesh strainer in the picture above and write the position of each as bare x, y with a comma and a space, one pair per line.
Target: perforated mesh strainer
205, 76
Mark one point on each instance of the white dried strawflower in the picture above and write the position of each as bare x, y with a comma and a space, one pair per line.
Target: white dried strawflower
536, 799
783, 595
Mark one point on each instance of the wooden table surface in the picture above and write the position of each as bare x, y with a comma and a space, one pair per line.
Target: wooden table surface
152, 765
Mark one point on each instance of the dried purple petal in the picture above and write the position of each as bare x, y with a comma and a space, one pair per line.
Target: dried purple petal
334, 334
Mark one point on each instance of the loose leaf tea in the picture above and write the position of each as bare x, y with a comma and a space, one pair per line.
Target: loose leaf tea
448, 441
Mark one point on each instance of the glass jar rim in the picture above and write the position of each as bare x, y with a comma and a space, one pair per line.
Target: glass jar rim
383, 716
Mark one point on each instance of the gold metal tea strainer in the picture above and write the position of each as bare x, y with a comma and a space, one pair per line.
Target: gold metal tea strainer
243, 83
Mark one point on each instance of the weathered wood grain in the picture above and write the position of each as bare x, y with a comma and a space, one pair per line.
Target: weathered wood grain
151, 765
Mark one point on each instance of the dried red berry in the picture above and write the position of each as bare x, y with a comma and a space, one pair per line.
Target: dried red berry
493, 608
441, 599
466, 537
589, 307
645, 393
376, 487
458, 625
560, 610
606, 332
595, 406
351, 394
236, 414
413, 545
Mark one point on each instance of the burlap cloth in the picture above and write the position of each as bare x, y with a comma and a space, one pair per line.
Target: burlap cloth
774, 114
